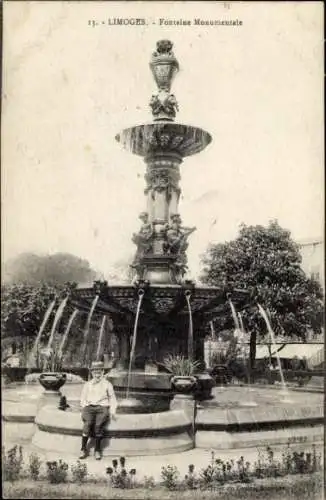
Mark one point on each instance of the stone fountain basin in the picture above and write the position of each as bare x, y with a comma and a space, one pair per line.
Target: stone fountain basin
185, 140
146, 434
24, 401
152, 392
222, 423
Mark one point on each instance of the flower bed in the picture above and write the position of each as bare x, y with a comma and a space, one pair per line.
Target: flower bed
303, 487
216, 474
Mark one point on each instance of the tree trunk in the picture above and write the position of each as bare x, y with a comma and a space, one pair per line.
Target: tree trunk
252, 354
270, 361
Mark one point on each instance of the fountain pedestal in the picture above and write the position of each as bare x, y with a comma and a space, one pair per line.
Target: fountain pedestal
49, 398
184, 402
159, 269
52, 382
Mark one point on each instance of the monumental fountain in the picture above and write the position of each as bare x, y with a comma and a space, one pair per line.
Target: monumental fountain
158, 314
169, 307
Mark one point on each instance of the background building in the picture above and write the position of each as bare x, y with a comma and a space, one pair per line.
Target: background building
313, 258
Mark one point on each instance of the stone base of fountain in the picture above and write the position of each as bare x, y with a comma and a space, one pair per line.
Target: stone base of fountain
224, 422
148, 434
241, 427
186, 403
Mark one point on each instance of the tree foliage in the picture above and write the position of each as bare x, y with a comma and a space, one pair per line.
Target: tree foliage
31, 283
24, 306
56, 269
266, 262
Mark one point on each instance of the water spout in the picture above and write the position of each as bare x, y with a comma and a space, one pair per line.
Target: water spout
56, 320
100, 338
190, 329
212, 330
272, 336
67, 330
87, 326
134, 339
241, 323
234, 315
41, 330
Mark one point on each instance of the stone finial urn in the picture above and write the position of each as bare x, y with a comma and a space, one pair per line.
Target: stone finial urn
164, 65
52, 381
184, 384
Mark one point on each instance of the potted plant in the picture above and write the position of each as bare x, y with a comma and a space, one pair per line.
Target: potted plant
183, 372
220, 361
52, 378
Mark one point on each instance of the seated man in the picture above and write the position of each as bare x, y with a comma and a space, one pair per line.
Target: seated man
98, 402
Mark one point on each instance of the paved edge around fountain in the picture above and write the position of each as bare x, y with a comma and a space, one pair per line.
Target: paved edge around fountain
141, 434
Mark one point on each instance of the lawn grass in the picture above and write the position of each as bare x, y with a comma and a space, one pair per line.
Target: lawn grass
289, 488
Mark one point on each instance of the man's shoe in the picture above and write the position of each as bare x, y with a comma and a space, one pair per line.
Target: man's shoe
83, 454
98, 455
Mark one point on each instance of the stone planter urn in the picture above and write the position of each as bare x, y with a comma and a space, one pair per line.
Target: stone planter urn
205, 384
220, 374
52, 381
184, 387
184, 384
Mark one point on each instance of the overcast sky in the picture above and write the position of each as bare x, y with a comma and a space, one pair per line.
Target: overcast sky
69, 88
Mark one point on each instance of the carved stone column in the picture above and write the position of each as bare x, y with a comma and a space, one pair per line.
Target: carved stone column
161, 241
162, 180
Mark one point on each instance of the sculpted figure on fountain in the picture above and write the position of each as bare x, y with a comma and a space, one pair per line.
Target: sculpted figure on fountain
176, 242
163, 47
161, 179
177, 235
143, 239
164, 106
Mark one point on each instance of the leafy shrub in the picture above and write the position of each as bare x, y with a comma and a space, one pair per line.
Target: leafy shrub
79, 472
34, 466
57, 471
291, 462
243, 470
219, 472
170, 475
119, 476
225, 355
149, 482
12, 463
190, 480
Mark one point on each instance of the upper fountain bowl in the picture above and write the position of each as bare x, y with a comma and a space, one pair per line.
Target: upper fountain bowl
163, 136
